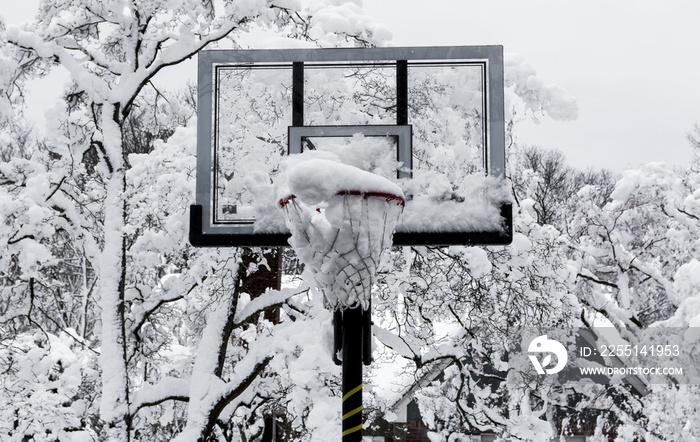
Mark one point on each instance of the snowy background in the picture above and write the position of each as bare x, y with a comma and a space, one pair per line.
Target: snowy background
112, 327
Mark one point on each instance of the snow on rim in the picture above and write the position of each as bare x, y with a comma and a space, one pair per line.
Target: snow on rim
316, 180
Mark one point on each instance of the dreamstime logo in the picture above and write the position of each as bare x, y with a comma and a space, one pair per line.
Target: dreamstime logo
543, 345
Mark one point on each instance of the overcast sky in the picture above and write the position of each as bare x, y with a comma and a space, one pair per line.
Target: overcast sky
633, 65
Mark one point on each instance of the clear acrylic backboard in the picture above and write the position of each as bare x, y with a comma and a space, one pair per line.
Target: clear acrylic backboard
430, 118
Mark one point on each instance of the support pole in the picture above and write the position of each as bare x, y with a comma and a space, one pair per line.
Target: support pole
298, 93
367, 335
337, 337
352, 375
401, 92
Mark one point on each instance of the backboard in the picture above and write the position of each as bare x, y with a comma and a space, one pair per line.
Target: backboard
429, 118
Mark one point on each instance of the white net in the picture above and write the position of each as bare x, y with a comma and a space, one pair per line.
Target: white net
341, 241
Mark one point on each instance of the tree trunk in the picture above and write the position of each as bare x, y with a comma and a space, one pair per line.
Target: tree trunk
114, 407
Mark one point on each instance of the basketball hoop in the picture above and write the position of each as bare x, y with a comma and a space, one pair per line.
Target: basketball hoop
342, 217
341, 241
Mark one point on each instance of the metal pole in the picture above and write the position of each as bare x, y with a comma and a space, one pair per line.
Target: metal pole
352, 375
298, 93
401, 92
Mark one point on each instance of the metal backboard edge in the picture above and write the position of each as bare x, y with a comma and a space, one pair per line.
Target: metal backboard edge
485, 238
234, 56
488, 238
200, 239
496, 111
402, 132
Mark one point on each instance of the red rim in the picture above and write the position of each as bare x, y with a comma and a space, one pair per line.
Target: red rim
400, 201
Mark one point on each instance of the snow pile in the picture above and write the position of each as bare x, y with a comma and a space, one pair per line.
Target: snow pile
7, 65
687, 292
332, 20
535, 93
436, 204
436, 200
342, 219
44, 378
316, 180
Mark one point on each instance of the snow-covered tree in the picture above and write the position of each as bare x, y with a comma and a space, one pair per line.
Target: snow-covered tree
597, 245
72, 205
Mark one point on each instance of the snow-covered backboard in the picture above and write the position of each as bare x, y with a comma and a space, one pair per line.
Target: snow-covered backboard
429, 118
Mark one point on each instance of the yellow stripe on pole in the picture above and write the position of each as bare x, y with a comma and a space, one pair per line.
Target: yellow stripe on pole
352, 413
352, 430
351, 392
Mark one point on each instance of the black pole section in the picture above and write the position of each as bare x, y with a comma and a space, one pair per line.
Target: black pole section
298, 93
401, 92
337, 336
367, 335
352, 375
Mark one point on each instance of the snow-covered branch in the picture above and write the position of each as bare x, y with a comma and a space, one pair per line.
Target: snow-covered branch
166, 389
268, 300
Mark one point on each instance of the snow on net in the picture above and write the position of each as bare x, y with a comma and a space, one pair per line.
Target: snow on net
342, 219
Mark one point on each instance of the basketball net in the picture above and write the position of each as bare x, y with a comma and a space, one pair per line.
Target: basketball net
341, 241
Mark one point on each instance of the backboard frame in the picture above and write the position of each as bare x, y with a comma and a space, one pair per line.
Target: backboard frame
205, 232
